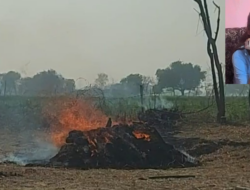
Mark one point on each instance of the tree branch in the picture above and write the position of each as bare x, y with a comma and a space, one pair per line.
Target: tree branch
198, 22
202, 14
218, 22
208, 19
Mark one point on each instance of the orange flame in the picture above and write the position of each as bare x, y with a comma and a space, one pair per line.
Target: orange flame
72, 114
140, 135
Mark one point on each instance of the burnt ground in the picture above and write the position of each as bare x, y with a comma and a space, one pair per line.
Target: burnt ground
223, 150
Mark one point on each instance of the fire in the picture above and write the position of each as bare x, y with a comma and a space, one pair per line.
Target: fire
72, 114
140, 135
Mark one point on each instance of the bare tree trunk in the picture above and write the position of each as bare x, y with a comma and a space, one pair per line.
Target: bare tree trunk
214, 58
182, 92
215, 85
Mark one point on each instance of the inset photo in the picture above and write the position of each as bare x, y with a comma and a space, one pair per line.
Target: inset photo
237, 42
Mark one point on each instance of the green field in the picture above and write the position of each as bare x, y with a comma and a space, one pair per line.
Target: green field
17, 110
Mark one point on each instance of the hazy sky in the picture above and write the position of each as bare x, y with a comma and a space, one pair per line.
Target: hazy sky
80, 38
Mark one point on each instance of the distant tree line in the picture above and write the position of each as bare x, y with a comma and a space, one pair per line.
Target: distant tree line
43, 83
179, 76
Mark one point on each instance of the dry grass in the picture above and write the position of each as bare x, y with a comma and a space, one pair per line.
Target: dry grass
224, 169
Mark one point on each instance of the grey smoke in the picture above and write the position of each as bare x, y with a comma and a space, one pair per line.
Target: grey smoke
158, 102
131, 96
31, 150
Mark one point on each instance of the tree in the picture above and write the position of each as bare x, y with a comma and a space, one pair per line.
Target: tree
9, 81
180, 76
46, 83
102, 80
132, 79
132, 83
214, 57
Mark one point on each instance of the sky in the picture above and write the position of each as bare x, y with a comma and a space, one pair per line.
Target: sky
81, 38
236, 13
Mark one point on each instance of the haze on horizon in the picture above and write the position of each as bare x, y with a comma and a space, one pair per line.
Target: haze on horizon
81, 38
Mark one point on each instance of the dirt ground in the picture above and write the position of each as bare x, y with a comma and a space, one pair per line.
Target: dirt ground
223, 150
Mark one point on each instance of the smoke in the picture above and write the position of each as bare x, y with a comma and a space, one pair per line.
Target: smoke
132, 95
157, 102
31, 149
120, 91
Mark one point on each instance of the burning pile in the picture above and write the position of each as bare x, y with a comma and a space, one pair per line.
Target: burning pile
86, 143
135, 146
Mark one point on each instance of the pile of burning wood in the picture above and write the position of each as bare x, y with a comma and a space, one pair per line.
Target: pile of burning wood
138, 145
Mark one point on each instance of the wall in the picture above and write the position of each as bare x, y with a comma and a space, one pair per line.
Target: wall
237, 12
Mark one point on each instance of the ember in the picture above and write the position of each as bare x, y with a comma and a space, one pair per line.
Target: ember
140, 135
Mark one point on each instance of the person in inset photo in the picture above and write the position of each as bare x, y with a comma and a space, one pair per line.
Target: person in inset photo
241, 58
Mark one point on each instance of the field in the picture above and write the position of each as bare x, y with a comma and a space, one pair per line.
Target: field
223, 150
237, 108
225, 168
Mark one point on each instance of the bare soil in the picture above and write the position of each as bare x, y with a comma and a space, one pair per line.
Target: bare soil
223, 150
